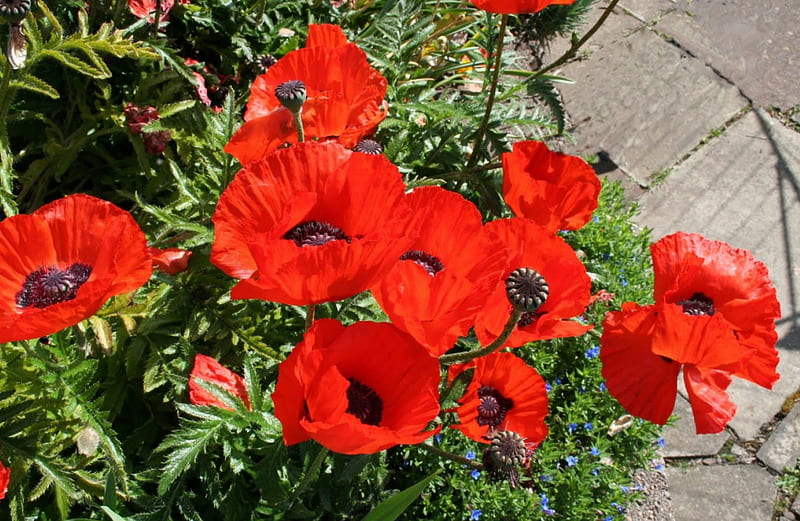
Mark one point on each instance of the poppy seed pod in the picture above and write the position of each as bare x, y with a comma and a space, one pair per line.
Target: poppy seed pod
291, 94
14, 11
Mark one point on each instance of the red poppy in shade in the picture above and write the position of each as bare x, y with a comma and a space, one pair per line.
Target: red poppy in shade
710, 278
209, 370
557, 191
516, 6
344, 97
531, 246
441, 282
505, 393
5, 477
358, 389
311, 223
714, 317
63, 262
147, 9
170, 260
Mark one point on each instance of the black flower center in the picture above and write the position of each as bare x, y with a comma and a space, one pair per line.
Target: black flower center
528, 318
431, 263
364, 403
494, 406
315, 233
47, 286
368, 146
526, 289
698, 304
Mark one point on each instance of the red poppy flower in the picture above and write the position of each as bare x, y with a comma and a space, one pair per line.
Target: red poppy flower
5, 477
147, 9
505, 393
557, 191
438, 286
531, 246
516, 6
209, 370
643, 350
710, 278
311, 223
344, 97
170, 260
63, 262
358, 389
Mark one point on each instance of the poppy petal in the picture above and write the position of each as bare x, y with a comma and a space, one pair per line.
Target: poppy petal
711, 407
209, 370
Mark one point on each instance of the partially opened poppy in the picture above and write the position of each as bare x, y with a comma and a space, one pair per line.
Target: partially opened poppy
5, 477
311, 223
437, 286
714, 317
61, 263
358, 389
517, 6
170, 260
557, 191
505, 394
209, 370
147, 8
558, 268
345, 97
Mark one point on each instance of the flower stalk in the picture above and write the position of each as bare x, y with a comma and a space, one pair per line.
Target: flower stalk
491, 348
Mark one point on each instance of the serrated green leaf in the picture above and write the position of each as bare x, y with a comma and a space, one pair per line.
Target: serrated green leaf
74, 63
184, 445
34, 84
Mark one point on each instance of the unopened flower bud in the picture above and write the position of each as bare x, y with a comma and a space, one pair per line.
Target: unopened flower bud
291, 94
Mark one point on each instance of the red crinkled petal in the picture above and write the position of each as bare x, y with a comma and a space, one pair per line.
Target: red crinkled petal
208, 369
711, 407
644, 383
532, 246
75, 229
516, 6
5, 477
558, 191
325, 35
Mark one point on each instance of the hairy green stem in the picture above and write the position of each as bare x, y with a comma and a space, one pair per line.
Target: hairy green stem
475, 154
298, 122
311, 310
576, 45
433, 449
311, 473
491, 348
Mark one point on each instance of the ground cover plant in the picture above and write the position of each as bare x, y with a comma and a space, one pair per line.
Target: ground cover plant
315, 260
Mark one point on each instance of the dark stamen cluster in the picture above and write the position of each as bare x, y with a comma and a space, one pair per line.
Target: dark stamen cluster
493, 407
526, 289
50, 285
698, 304
528, 318
364, 403
431, 263
368, 146
315, 233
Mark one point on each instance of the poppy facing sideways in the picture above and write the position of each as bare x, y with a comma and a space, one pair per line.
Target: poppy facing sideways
209, 370
345, 97
358, 389
64, 261
516, 6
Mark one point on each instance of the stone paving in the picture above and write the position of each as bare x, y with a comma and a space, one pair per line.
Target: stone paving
697, 105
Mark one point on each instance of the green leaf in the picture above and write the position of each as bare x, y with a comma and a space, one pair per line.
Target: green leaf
391, 508
34, 84
184, 445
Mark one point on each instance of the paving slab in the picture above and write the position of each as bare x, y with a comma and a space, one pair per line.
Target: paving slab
721, 493
783, 446
648, 10
756, 45
681, 439
644, 102
744, 188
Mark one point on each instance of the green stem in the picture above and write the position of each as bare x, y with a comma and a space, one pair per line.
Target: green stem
6, 156
491, 348
298, 122
575, 45
467, 172
451, 456
475, 154
311, 473
311, 310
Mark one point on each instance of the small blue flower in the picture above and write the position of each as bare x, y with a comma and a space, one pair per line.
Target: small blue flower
437, 438
623, 281
594, 451
658, 466
602, 387
548, 386
559, 381
588, 426
620, 508
572, 427
475, 515
592, 352
571, 460
546, 477
595, 471
596, 219
476, 474
608, 518
546, 505
470, 455
661, 442
624, 489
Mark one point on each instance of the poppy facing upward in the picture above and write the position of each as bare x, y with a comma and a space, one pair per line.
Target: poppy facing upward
437, 286
61, 263
358, 389
311, 223
555, 262
714, 317
345, 97
557, 191
505, 394
516, 6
